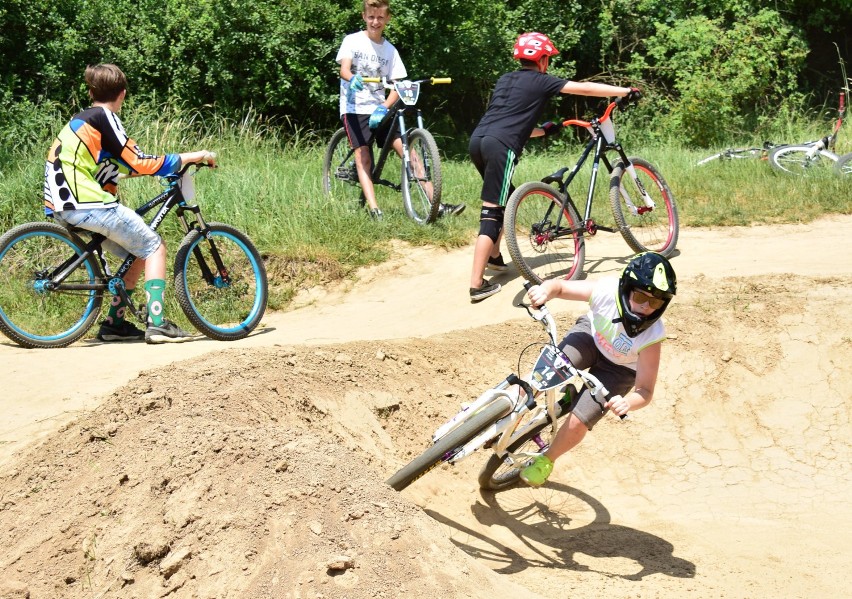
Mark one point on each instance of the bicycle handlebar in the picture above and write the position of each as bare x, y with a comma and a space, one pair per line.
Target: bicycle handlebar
388, 83
546, 318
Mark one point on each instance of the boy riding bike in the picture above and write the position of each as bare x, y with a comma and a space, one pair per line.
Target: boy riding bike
618, 340
363, 106
80, 190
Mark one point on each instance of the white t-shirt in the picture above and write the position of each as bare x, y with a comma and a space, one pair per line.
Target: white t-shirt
368, 60
611, 339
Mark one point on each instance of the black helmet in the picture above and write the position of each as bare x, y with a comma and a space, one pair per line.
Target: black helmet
649, 272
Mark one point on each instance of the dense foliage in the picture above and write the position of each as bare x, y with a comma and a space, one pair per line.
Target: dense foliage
711, 68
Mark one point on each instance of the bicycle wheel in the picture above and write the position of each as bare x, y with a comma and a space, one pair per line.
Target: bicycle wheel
843, 166
796, 160
31, 314
447, 445
339, 175
643, 228
220, 282
497, 475
543, 244
421, 187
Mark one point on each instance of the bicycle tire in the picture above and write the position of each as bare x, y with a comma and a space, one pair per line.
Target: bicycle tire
225, 308
420, 205
645, 231
496, 475
339, 174
437, 453
541, 252
794, 160
31, 315
843, 166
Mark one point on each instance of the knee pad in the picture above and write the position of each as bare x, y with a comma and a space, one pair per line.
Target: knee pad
491, 222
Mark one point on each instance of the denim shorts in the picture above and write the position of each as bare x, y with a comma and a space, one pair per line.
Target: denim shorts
126, 231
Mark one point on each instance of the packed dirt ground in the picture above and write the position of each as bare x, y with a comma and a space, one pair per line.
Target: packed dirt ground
256, 469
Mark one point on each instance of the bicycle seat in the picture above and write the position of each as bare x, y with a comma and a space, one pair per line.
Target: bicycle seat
555, 177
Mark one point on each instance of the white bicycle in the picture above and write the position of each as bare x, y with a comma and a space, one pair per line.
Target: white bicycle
516, 418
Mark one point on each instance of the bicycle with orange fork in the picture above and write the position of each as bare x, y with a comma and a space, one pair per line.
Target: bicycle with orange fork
544, 231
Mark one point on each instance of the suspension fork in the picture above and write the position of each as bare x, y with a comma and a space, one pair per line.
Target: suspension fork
648, 202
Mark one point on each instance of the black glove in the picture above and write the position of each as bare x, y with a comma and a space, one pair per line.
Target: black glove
551, 128
633, 95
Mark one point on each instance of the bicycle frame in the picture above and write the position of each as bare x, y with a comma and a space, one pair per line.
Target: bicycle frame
553, 370
602, 140
171, 198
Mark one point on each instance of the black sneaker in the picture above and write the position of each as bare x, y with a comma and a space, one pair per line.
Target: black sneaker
376, 214
120, 332
487, 289
168, 332
451, 209
497, 264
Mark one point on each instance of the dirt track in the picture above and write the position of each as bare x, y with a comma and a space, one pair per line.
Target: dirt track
245, 473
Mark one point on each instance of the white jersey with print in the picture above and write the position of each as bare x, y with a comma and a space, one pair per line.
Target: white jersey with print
368, 60
611, 338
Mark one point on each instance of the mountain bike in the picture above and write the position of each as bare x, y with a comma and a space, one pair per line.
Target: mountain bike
515, 419
419, 176
544, 232
52, 281
761, 153
811, 156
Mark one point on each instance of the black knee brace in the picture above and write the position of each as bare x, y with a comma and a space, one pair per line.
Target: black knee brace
491, 221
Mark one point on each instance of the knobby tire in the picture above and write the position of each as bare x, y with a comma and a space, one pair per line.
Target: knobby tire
224, 305
445, 447
540, 250
793, 160
421, 205
339, 175
30, 315
656, 230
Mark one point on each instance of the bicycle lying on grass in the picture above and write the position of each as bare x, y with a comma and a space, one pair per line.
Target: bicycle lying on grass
419, 177
52, 281
738, 153
544, 232
516, 418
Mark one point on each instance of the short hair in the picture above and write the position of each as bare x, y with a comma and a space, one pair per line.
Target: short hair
377, 4
105, 82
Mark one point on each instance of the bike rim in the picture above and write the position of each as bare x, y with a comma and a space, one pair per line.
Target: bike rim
30, 310
229, 304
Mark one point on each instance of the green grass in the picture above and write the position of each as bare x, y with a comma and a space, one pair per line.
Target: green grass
269, 185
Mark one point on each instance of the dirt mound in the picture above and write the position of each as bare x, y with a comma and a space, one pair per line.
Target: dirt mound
258, 471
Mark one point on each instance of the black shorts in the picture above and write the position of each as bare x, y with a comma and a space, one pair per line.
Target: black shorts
579, 346
496, 164
359, 133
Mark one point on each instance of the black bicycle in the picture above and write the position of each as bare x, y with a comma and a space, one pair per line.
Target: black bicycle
544, 232
52, 281
418, 176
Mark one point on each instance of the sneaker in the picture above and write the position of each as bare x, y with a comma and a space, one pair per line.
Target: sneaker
376, 214
487, 289
537, 472
451, 209
496, 264
120, 332
168, 332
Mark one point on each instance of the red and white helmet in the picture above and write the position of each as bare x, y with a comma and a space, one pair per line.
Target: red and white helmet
532, 46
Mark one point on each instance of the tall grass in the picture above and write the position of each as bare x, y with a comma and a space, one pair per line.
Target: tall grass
269, 185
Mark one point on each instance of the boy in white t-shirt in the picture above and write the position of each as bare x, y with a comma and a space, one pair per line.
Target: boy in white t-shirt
618, 340
363, 106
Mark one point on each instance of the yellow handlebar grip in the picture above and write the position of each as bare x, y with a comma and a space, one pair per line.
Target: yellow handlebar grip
437, 80
371, 80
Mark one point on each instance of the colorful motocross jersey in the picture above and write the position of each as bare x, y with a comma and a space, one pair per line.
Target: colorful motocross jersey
86, 158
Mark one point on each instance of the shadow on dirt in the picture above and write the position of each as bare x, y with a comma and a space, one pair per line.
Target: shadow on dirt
571, 523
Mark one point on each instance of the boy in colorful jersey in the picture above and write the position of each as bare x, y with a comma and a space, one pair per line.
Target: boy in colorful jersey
363, 106
80, 190
498, 140
618, 340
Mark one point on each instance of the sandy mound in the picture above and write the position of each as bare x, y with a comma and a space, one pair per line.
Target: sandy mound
258, 472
